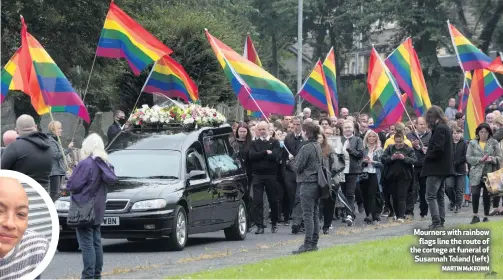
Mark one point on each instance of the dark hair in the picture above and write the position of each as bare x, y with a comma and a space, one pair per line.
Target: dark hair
311, 130
248, 134
459, 115
433, 114
482, 126
339, 128
325, 119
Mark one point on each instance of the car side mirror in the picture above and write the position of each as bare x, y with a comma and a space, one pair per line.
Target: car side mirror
195, 173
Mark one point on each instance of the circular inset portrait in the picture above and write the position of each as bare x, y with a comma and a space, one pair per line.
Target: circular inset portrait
29, 227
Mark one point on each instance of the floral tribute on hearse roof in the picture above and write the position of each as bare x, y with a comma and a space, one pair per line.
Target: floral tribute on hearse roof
192, 116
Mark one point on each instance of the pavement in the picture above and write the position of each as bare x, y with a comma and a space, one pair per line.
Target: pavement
211, 251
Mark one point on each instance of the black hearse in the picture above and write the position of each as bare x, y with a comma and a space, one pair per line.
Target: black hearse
172, 183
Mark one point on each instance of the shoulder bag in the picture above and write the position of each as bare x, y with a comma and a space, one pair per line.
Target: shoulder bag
323, 178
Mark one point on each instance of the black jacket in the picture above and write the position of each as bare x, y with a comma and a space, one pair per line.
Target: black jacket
243, 149
30, 155
355, 152
425, 139
113, 130
263, 163
398, 169
293, 144
438, 160
459, 156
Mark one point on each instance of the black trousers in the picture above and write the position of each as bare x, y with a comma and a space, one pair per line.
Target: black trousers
287, 190
291, 189
398, 190
485, 198
369, 189
328, 205
423, 205
496, 201
411, 197
358, 194
349, 188
55, 186
267, 183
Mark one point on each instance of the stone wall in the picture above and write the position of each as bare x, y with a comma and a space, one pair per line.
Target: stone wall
70, 123
101, 123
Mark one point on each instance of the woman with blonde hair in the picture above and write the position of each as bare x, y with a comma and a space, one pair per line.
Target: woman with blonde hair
88, 183
369, 182
58, 164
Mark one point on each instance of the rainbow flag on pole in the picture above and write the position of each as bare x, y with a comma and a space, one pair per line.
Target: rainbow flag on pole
466, 91
256, 89
385, 99
330, 70
496, 65
474, 107
11, 80
404, 64
469, 56
315, 90
170, 79
492, 90
44, 82
123, 37
251, 54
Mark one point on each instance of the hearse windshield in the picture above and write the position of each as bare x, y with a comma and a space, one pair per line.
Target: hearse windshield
146, 164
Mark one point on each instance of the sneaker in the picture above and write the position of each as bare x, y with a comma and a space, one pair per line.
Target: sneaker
400, 220
385, 213
475, 220
287, 224
451, 207
349, 220
361, 209
485, 220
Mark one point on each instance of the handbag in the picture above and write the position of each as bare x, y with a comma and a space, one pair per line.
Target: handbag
81, 215
494, 181
324, 184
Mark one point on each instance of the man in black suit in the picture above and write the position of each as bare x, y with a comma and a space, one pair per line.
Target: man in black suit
265, 154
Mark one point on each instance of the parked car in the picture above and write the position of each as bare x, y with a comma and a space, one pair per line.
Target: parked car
171, 184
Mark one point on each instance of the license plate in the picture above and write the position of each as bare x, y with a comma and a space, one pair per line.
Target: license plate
110, 221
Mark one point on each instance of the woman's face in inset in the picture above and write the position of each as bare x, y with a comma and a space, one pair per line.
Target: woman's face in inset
13, 214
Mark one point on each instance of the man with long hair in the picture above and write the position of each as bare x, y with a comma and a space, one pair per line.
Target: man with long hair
437, 164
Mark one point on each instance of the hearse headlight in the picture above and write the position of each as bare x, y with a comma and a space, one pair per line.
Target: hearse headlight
149, 204
62, 205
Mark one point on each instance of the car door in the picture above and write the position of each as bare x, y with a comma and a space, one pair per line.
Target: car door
199, 191
224, 172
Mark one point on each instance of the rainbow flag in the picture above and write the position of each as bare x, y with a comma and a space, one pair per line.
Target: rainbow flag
404, 101
469, 56
404, 64
44, 82
11, 80
385, 104
474, 107
466, 91
496, 65
123, 37
330, 70
315, 90
254, 87
170, 79
251, 54
491, 90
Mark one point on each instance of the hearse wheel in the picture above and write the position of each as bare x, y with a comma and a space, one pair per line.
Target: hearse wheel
68, 245
179, 235
239, 229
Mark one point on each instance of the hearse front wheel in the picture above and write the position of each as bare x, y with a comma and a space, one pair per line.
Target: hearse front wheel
239, 229
179, 234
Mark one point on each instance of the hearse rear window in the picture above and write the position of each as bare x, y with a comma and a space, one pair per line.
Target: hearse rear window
146, 164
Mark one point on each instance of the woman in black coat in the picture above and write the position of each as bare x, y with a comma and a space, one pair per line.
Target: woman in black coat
242, 147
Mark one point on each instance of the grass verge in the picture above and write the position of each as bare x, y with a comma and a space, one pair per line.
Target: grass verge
383, 259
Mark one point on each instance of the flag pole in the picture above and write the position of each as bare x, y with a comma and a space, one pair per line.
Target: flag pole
59, 142
89, 78
390, 77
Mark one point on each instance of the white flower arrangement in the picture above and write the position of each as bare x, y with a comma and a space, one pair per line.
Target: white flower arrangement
191, 116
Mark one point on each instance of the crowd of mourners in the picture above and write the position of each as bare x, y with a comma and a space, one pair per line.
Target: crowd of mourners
382, 174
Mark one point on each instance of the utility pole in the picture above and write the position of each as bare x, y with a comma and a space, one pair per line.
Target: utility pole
299, 55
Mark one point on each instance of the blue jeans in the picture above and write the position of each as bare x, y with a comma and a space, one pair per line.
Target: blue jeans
92, 251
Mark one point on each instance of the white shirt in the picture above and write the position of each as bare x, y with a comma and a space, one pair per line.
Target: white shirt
370, 167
